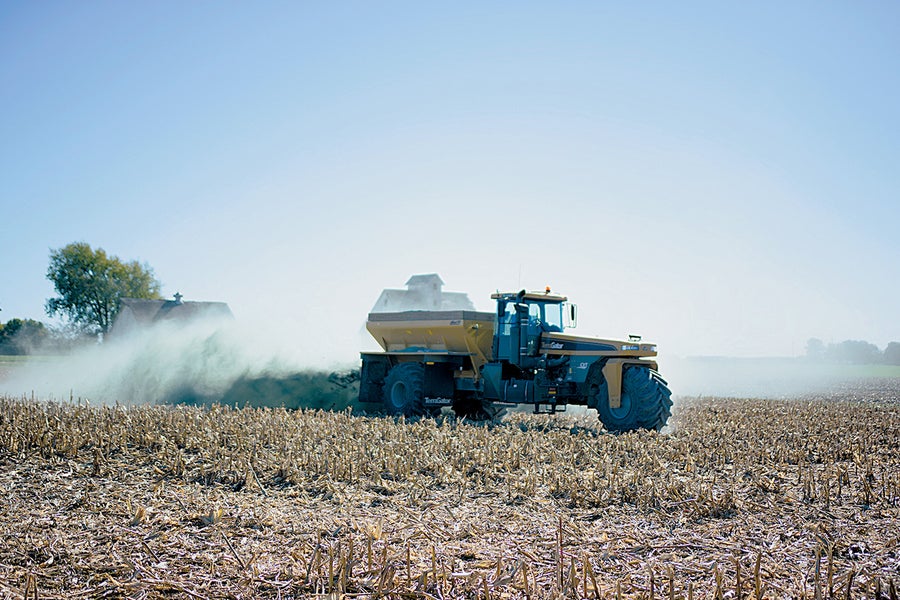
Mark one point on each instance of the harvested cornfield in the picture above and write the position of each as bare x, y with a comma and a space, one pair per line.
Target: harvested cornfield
740, 499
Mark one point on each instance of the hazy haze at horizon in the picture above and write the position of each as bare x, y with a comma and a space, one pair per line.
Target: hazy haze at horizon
720, 179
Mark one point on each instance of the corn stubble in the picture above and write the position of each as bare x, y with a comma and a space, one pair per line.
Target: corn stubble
741, 499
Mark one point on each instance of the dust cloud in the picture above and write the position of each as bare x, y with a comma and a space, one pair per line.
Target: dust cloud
201, 361
236, 363
786, 377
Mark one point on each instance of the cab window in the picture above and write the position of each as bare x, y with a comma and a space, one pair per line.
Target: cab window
553, 317
508, 318
534, 314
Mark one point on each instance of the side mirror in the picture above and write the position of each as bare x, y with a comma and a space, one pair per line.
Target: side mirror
572, 316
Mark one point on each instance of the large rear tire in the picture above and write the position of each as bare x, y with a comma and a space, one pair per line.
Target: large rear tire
404, 390
646, 401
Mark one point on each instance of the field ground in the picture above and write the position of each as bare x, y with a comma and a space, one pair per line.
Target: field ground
738, 499
12, 360
9, 363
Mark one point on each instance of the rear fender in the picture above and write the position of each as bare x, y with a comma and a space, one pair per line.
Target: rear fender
612, 373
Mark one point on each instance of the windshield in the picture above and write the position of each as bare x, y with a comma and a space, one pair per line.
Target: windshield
548, 315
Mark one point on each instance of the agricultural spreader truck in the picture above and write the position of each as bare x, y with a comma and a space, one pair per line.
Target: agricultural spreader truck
477, 363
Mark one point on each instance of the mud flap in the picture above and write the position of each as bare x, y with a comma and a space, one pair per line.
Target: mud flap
612, 373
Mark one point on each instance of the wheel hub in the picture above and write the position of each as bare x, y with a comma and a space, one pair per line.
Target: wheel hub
399, 395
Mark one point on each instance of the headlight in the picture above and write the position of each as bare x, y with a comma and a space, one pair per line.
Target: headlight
630, 347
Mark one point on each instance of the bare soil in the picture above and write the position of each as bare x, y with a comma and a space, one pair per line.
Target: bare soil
738, 498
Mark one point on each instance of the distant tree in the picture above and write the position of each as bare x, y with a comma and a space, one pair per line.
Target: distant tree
892, 354
22, 336
854, 351
90, 284
815, 349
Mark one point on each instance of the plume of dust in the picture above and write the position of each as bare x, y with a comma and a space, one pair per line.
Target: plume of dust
766, 377
204, 360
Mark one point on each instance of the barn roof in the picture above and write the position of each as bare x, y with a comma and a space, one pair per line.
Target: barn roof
139, 313
424, 279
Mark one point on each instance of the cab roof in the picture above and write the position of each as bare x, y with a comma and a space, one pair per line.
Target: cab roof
545, 296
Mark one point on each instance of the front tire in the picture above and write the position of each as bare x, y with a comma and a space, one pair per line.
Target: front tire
646, 401
404, 390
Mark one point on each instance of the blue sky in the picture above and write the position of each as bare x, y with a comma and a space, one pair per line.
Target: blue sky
720, 177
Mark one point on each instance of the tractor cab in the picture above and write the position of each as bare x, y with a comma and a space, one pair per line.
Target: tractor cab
521, 318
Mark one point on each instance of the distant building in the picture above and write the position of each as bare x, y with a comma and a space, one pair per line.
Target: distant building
423, 292
138, 314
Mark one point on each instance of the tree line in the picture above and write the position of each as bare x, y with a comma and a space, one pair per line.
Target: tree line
853, 352
23, 336
89, 284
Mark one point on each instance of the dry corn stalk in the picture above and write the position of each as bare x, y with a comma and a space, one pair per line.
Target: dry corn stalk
743, 498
